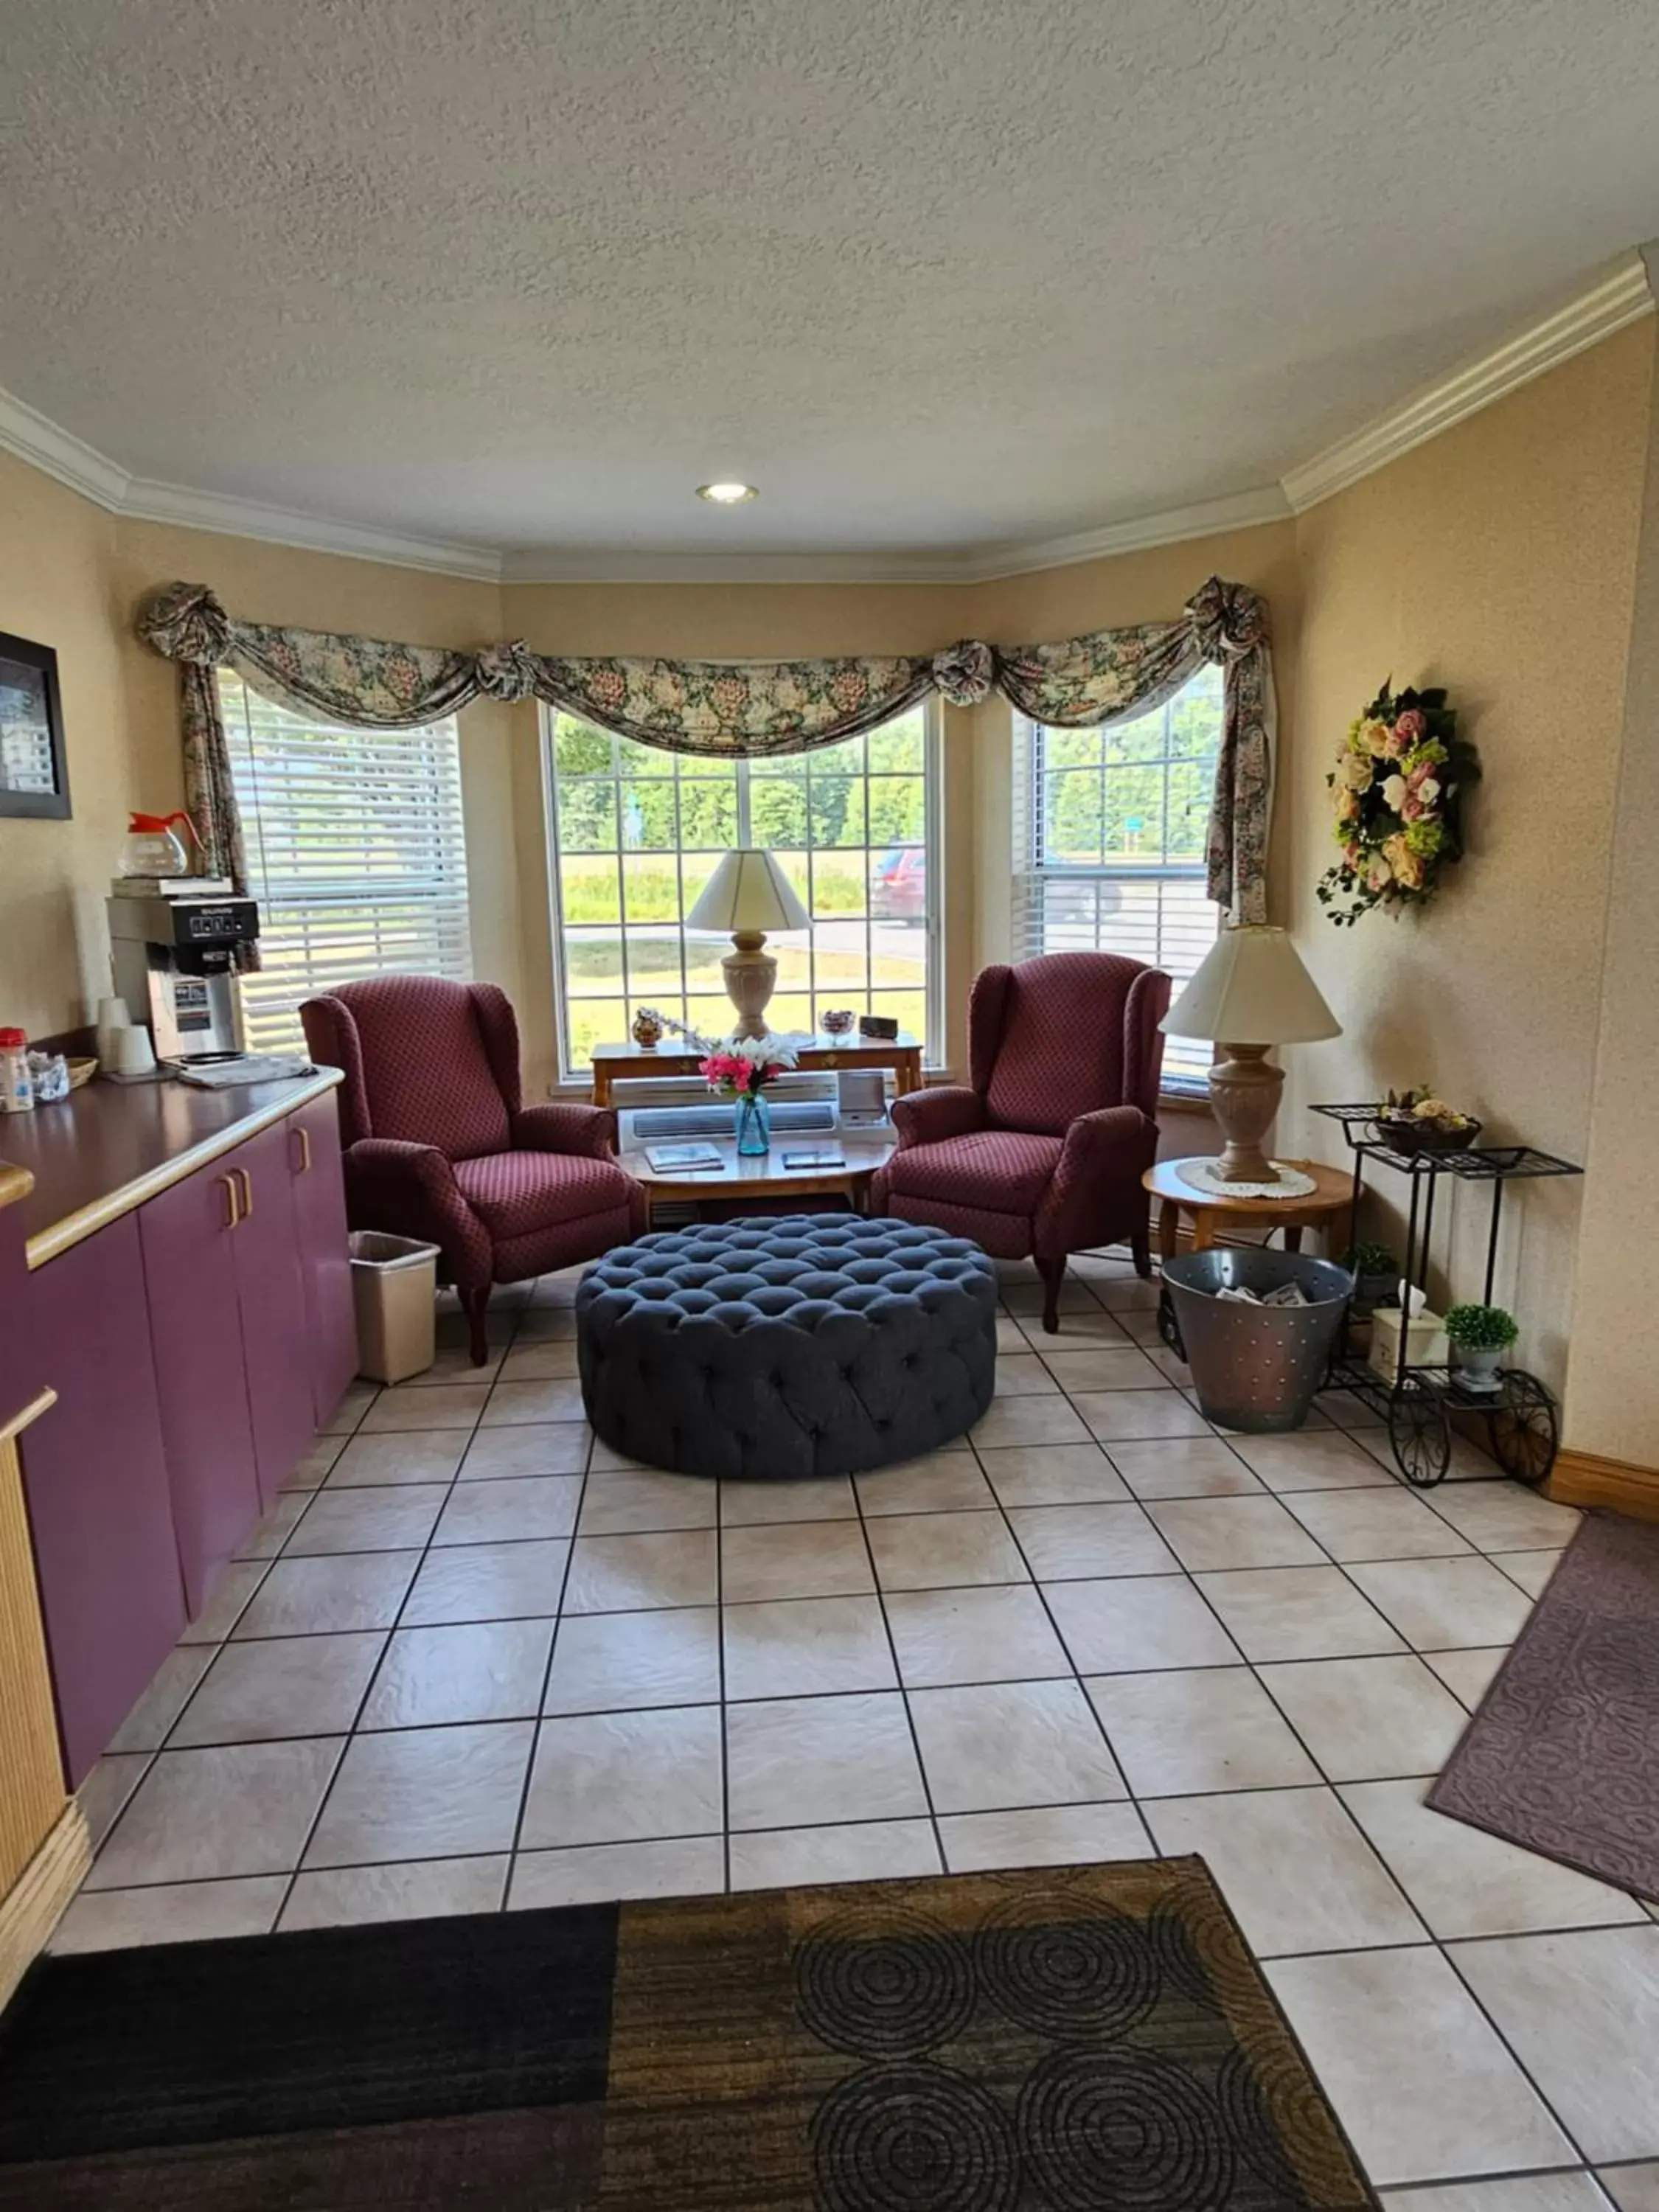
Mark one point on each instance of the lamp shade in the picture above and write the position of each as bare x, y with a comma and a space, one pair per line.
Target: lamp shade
1252, 988
748, 890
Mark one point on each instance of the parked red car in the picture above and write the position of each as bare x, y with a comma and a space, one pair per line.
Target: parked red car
898, 882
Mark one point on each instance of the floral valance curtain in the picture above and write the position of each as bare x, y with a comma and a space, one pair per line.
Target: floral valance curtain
738, 707
746, 708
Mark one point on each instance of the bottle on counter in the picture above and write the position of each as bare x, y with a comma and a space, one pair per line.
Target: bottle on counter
16, 1088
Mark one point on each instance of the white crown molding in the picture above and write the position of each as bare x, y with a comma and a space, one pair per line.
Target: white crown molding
601, 565
27, 433
33, 438
148, 502
1209, 518
976, 564
1619, 299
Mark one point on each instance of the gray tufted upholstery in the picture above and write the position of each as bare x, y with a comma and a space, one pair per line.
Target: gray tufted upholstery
814, 1344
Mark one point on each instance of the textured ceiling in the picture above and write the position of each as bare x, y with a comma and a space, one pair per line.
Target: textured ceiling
932, 273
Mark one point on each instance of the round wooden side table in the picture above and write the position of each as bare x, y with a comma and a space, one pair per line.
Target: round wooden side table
1211, 1215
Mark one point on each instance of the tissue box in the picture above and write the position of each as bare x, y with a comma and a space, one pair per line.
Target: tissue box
1425, 1342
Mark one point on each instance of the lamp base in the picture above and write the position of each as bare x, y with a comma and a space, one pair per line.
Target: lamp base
749, 974
1244, 1090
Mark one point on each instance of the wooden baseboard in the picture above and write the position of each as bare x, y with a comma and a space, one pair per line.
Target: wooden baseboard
35, 1902
1581, 1477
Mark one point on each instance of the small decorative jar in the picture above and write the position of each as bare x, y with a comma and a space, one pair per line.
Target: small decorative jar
754, 1126
647, 1029
838, 1021
16, 1091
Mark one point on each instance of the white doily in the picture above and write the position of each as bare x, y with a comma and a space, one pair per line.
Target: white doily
1205, 1175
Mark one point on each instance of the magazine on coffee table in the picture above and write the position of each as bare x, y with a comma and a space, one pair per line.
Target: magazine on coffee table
818, 1156
680, 1159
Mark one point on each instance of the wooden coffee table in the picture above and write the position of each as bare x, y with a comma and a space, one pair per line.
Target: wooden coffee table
1212, 1216
764, 1176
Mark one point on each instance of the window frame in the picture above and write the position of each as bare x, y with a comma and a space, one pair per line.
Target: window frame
572, 1077
446, 889
1032, 869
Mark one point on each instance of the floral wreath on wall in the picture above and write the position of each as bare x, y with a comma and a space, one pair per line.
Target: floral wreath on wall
1397, 791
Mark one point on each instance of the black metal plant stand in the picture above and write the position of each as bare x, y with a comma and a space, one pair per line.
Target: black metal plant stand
1521, 1422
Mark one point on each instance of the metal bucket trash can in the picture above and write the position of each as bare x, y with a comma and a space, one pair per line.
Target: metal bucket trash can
1256, 1368
394, 1287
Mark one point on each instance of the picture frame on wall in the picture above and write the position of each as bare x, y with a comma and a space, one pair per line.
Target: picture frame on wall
33, 770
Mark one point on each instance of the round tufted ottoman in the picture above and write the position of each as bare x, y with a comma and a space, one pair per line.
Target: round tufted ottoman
814, 1344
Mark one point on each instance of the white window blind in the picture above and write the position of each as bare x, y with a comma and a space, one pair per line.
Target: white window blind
1109, 827
356, 853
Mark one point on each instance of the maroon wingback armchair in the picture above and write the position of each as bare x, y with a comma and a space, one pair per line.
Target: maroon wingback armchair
1042, 1152
437, 1145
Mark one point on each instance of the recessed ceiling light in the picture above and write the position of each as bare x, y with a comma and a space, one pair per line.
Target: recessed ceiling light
727, 494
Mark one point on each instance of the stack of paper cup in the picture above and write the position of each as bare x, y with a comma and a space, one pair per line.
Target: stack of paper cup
134, 1052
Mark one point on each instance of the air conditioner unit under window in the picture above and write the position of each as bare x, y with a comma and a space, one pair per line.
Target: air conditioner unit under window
669, 1109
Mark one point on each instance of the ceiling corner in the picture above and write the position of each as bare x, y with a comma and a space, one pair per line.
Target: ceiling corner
1623, 296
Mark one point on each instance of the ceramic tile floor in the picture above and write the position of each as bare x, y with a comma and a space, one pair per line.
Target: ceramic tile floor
473, 1661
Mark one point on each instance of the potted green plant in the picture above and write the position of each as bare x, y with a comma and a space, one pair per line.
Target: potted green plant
1375, 1271
1480, 1336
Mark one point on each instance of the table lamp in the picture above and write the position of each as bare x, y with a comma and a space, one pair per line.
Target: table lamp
1250, 992
749, 893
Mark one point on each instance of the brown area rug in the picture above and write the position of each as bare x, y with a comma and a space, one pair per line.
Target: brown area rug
1562, 1755
1072, 2039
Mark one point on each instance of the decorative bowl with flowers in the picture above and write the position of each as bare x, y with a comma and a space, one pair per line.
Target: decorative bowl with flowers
1416, 1121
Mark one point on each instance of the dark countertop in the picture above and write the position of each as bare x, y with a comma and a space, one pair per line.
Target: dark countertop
108, 1146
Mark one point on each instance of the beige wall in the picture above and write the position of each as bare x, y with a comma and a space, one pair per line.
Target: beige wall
1499, 560
56, 587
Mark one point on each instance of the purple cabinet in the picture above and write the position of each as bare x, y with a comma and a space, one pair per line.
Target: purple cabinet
270, 1299
320, 1222
193, 1344
188, 1236
95, 1478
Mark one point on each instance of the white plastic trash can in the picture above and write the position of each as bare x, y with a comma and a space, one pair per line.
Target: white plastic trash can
394, 1286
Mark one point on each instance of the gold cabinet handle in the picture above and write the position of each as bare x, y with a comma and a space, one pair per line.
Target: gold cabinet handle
247, 1181
232, 1203
304, 1136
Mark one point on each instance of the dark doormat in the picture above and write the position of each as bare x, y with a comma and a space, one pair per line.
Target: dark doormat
1068, 2040
1563, 1753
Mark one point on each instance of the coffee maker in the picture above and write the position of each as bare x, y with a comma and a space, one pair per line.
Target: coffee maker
174, 958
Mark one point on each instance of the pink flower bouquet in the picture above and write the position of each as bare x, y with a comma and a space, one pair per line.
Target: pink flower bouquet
741, 1067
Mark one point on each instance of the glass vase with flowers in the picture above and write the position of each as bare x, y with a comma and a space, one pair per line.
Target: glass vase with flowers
740, 1068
